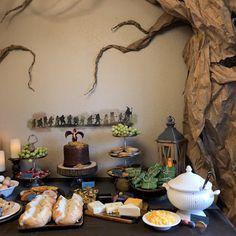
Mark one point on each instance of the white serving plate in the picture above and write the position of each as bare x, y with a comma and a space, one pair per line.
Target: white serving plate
16, 207
162, 227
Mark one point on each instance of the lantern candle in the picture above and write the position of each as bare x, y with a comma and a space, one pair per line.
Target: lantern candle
15, 148
171, 146
169, 163
2, 161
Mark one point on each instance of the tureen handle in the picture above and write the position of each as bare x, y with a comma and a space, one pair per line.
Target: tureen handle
165, 185
217, 192
188, 169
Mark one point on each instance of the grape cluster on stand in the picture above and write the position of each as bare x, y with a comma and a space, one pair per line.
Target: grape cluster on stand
122, 130
38, 152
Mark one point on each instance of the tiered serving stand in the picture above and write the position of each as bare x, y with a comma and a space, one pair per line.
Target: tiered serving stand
32, 177
124, 152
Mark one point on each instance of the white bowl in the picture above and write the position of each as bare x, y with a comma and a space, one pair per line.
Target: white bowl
186, 193
8, 191
162, 227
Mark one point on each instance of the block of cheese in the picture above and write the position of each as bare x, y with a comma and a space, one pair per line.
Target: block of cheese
96, 207
135, 201
112, 207
129, 210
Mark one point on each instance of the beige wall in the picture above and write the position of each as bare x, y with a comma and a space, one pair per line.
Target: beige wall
66, 37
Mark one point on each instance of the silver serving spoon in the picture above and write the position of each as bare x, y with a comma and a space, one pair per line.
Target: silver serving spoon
209, 174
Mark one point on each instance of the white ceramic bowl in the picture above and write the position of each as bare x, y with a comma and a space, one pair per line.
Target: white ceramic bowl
8, 191
186, 193
162, 227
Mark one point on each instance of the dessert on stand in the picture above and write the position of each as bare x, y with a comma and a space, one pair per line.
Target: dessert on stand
76, 162
124, 132
124, 152
32, 154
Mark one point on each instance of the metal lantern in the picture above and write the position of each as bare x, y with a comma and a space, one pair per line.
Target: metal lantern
171, 146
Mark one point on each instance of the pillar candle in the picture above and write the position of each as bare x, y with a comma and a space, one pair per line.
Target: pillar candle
2, 161
15, 148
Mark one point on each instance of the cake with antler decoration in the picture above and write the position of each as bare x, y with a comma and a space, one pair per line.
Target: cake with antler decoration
75, 153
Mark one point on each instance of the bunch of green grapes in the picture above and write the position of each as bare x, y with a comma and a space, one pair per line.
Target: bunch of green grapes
121, 130
37, 153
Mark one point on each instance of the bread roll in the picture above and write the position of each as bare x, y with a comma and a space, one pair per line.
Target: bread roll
68, 212
38, 212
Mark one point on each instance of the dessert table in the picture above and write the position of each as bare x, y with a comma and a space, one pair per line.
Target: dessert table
218, 224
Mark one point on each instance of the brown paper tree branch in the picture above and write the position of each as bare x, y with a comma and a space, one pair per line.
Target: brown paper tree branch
130, 22
17, 10
210, 89
5, 51
163, 22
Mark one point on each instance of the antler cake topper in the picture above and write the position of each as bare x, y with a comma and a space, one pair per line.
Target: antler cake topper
74, 134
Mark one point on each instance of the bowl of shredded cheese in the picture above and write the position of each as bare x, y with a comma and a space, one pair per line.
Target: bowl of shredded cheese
161, 219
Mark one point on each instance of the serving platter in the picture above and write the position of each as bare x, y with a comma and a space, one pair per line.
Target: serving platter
51, 226
16, 210
34, 193
124, 152
32, 175
116, 217
123, 171
157, 192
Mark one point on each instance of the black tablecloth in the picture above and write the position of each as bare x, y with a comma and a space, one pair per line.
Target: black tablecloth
218, 224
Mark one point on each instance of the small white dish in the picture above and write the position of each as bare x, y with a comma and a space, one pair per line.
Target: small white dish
8, 191
162, 227
15, 208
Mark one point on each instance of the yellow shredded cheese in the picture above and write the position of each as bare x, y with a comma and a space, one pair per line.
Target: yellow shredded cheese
161, 217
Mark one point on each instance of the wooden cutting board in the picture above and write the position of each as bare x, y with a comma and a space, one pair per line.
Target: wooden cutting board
111, 218
117, 218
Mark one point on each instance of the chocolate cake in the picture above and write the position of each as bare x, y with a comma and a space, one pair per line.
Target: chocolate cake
76, 153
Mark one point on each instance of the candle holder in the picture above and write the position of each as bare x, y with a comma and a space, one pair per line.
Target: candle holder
15, 166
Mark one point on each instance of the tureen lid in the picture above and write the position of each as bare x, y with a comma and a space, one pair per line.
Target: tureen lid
189, 182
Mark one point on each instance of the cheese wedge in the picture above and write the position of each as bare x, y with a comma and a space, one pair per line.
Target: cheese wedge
112, 207
135, 201
96, 207
129, 210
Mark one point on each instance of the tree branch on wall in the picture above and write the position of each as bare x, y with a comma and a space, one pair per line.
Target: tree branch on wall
17, 10
163, 22
5, 51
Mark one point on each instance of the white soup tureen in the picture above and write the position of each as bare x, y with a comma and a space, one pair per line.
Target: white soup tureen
186, 193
